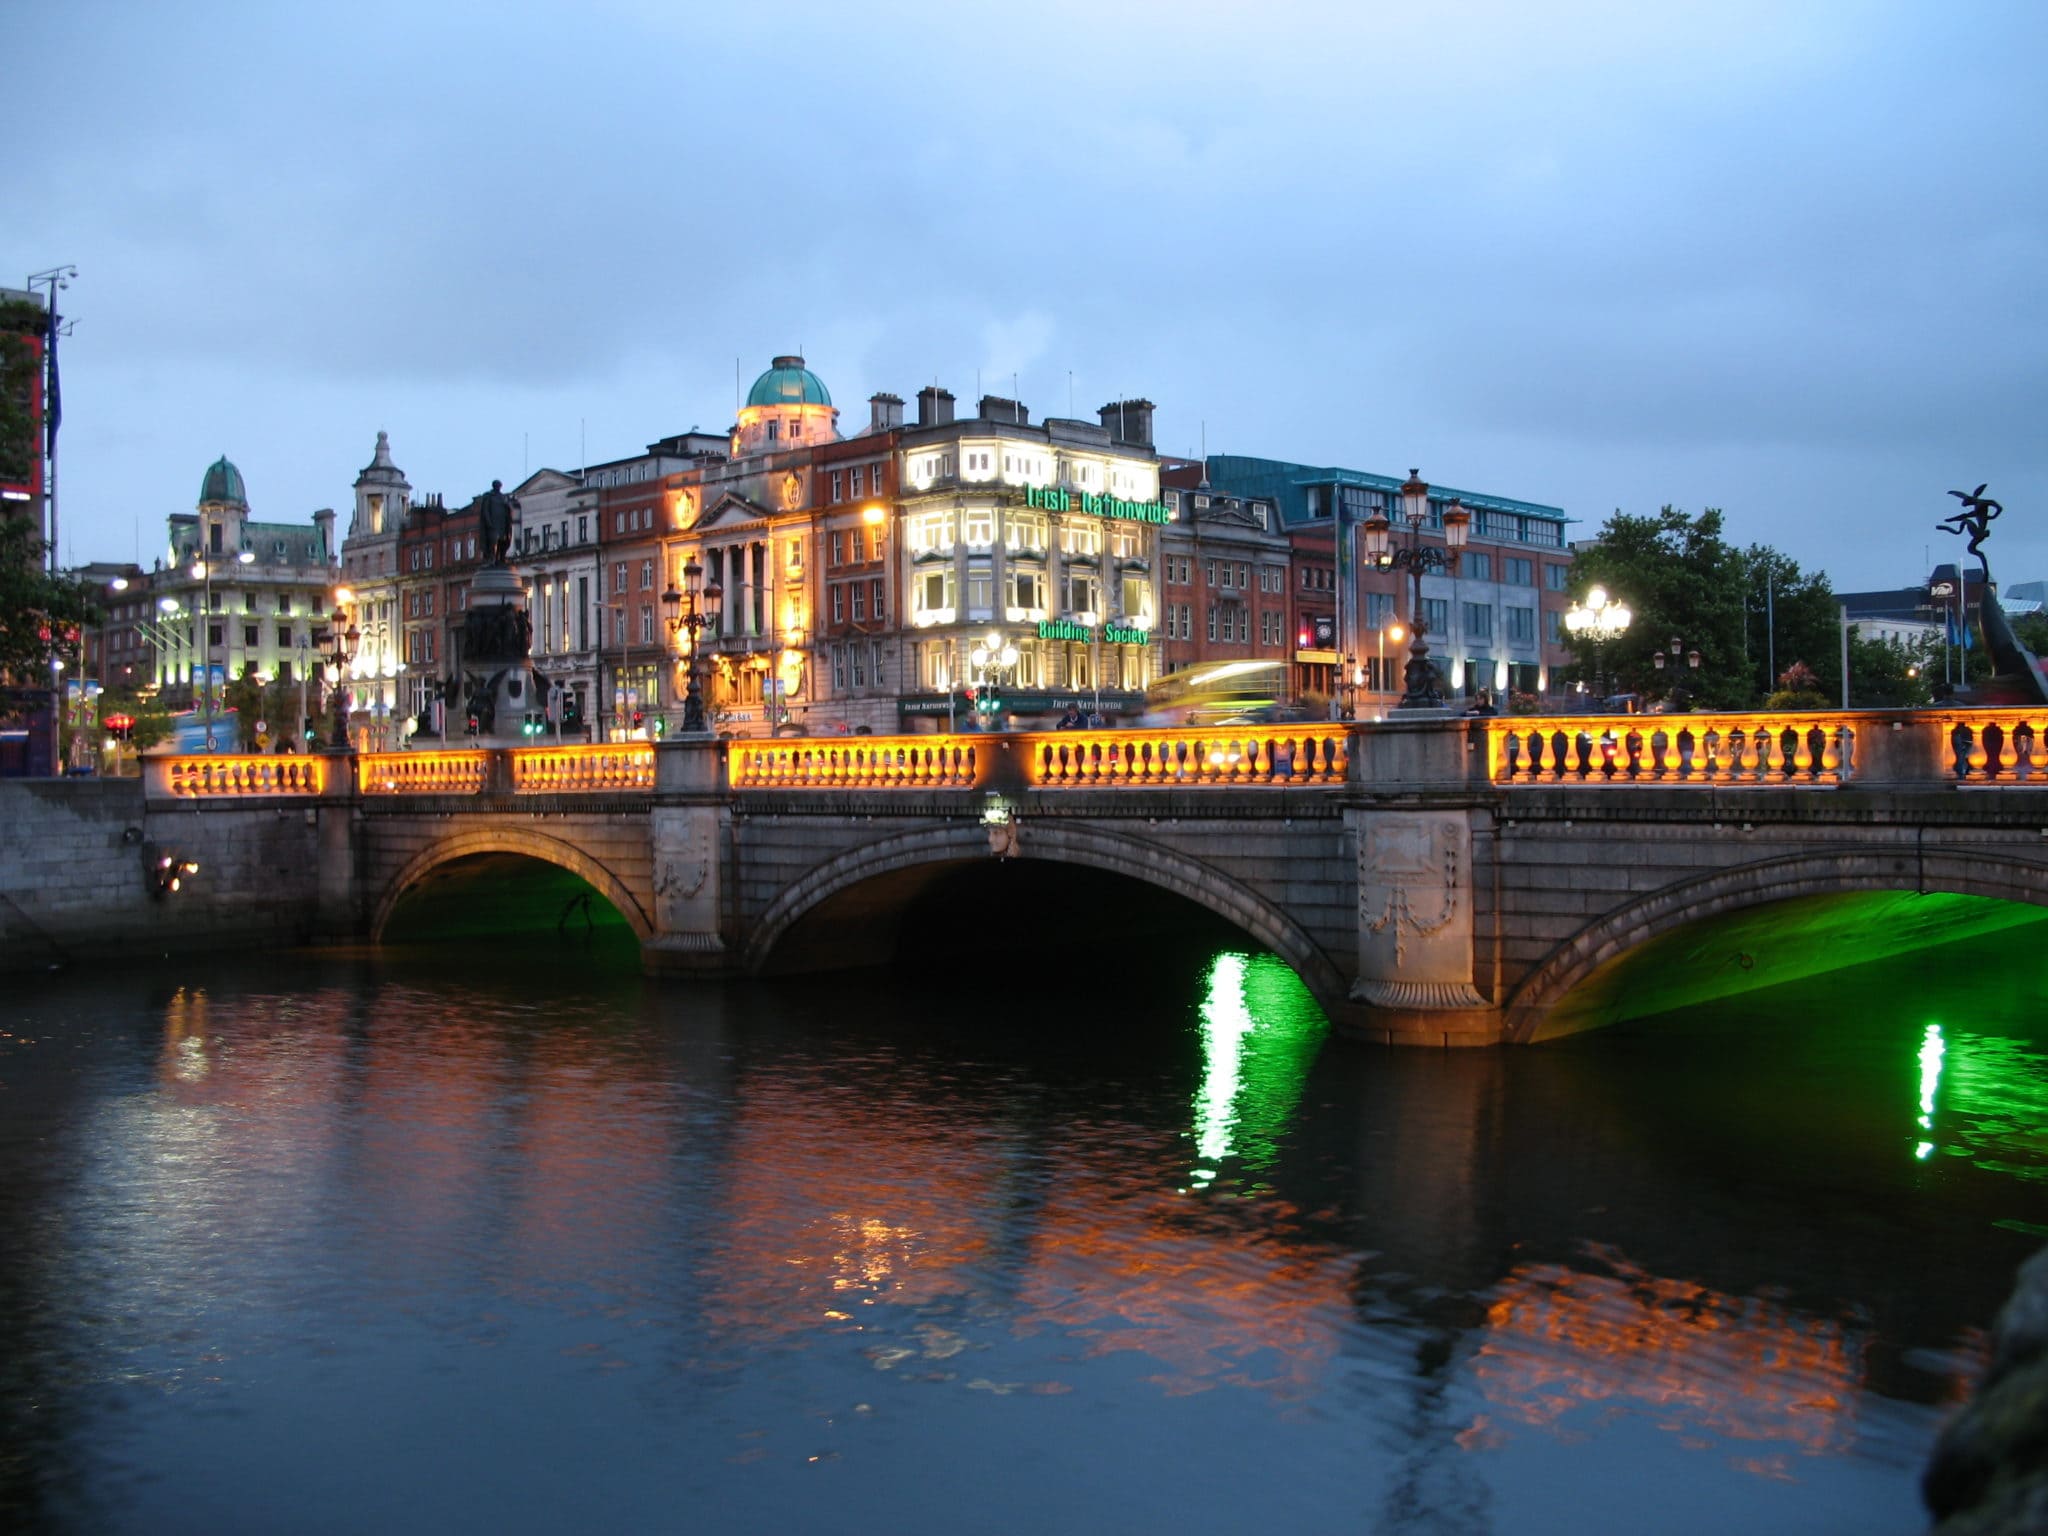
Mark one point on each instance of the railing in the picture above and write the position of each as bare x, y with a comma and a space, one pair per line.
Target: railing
560, 770
2002, 746
1692, 749
857, 762
423, 773
1212, 755
215, 775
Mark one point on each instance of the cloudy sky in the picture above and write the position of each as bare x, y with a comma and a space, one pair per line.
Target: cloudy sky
1786, 260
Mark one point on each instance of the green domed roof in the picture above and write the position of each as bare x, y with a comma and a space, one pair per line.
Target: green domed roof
223, 482
789, 382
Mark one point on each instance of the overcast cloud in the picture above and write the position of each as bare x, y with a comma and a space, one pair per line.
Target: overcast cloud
1784, 260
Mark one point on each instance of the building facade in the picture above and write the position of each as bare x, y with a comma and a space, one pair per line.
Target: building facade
1495, 624
237, 597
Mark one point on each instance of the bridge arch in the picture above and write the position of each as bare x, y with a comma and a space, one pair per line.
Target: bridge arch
514, 840
1957, 872
1064, 843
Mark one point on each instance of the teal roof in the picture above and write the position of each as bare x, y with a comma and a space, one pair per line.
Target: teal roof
789, 382
223, 482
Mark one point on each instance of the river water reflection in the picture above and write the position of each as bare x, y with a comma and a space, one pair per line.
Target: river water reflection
387, 1244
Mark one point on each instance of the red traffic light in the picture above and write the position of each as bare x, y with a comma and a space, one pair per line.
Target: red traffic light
120, 722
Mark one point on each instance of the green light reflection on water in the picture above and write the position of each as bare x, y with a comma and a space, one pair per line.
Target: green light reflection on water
1931, 1053
1260, 1033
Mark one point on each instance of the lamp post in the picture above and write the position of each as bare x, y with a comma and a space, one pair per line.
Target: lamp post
1599, 619
992, 659
344, 649
1415, 557
1391, 630
204, 571
1681, 696
694, 608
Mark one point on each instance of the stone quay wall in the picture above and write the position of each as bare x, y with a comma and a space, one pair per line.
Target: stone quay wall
78, 877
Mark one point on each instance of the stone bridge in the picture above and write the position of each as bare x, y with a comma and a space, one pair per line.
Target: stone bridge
1440, 881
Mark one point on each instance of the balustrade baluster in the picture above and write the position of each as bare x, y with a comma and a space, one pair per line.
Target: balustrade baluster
1977, 756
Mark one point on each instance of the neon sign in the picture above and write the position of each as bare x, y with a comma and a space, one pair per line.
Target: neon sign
1052, 499
1112, 634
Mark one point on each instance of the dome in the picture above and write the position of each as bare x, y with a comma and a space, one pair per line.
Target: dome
789, 382
223, 482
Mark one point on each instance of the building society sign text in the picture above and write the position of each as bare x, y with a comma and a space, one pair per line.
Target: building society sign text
1112, 634
1051, 499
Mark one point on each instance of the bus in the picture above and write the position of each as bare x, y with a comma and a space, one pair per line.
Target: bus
1212, 691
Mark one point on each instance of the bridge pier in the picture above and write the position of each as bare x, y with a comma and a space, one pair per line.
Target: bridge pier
689, 822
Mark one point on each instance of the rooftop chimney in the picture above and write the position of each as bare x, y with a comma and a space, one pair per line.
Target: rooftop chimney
996, 408
1129, 421
888, 411
934, 406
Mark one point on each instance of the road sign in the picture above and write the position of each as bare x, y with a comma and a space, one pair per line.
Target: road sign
262, 726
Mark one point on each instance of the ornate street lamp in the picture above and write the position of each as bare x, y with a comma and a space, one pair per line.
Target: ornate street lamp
1599, 619
694, 608
344, 644
1416, 557
992, 658
1681, 696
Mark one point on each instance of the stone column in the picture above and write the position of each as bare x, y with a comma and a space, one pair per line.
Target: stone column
337, 907
689, 828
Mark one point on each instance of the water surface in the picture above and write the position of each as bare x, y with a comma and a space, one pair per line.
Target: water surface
424, 1243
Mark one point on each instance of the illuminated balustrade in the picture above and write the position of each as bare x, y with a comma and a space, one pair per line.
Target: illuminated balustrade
1244, 755
1717, 750
236, 775
2002, 746
423, 773
865, 762
582, 769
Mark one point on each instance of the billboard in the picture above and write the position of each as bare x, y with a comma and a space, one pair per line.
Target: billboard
23, 336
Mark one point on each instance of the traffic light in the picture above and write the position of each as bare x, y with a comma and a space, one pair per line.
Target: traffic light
572, 711
660, 725
638, 718
475, 725
535, 724
121, 727
307, 727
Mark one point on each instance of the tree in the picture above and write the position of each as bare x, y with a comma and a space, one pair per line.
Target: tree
1789, 617
1888, 673
40, 614
1681, 580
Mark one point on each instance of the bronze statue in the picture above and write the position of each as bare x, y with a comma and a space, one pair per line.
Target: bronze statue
2017, 677
494, 514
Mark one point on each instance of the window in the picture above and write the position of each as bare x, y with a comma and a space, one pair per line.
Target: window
1209, 573
935, 591
249, 635
838, 603
881, 610
1478, 621
647, 624
1025, 531
1081, 538
1024, 589
1553, 625
1519, 571
646, 575
835, 547
774, 430
860, 676
981, 590
582, 530
1136, 592
619, 578
1556, 578
875, 542
1521, 626
856, 476
1478, 565
1436, 614
1080, 592
978, 526
838, 670
835, 486
1212, 621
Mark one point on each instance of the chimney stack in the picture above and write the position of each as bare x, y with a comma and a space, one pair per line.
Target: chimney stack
998, 408
934, 406
1129, 421
887, 411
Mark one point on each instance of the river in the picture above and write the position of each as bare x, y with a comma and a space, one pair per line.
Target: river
523, 1243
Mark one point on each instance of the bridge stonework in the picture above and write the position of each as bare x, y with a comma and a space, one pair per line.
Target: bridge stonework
1437, 881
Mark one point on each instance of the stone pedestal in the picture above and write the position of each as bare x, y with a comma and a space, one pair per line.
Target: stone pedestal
690, 847
498, 678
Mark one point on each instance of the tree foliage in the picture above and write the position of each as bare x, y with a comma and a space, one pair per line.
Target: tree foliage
1682, 581
40, 614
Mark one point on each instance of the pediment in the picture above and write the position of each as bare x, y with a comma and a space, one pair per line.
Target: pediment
731, 510
544, 480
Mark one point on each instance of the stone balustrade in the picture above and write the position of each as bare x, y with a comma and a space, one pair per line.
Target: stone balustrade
216, 775
856, 762
423, 773
1975, 748
582, 769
